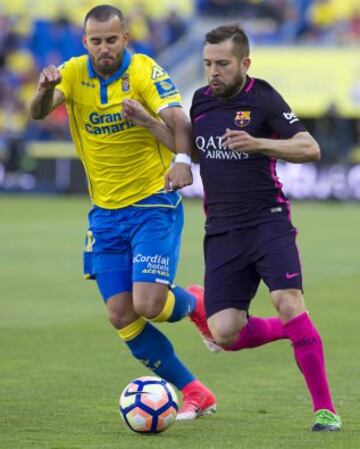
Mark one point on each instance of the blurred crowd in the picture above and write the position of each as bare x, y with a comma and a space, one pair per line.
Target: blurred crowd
320, 22
35, 33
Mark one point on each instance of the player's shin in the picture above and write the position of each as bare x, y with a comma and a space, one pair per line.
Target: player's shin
308, 351
155, 351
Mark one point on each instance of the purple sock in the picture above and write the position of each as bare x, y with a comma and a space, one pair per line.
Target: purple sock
257, 332
309, 355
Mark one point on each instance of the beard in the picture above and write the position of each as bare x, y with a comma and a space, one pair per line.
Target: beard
106, 65
230, 90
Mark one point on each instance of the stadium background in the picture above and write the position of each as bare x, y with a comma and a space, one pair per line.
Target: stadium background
61, 365
308, 49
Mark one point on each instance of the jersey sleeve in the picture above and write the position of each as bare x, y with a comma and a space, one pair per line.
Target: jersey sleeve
156, 88
281, 118
68, 74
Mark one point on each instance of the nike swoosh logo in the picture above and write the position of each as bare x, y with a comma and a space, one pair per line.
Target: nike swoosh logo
291, 275
134, 393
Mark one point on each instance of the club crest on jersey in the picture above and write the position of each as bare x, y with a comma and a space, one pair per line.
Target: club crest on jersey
242, 118
125, 83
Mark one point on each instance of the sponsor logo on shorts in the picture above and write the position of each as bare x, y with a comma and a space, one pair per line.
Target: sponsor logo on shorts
89, 242
156, 264
164, 281
291, 275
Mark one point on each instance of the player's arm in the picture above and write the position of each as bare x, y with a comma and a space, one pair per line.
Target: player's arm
134, 111
47, 97
180, 125
302, 147
180, 174
174, 131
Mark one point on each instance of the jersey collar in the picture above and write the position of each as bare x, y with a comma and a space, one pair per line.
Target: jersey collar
118, 74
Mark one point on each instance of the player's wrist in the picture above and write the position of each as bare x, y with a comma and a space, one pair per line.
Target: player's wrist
182, 158
265, 146
150, 121
46, 89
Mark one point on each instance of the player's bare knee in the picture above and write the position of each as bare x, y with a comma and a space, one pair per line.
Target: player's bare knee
223, 335
120, 311
289, 304
116, 321
120, 321
226, 325
225, 339
149, 299
149, 307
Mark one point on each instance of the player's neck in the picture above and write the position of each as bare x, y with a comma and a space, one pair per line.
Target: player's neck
104, 76
238, 90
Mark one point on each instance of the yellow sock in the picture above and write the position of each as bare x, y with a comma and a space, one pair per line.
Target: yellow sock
168, 309
132, 330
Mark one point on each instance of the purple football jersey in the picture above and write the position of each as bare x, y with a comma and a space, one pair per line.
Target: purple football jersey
241, 189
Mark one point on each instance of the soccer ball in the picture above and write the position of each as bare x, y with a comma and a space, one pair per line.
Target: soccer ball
148, 405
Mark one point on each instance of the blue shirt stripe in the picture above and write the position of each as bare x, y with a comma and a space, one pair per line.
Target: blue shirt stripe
105, 82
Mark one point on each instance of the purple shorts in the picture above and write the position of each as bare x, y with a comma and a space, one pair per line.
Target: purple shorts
237, 260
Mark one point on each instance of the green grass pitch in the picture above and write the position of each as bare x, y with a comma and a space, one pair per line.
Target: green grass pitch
62, 367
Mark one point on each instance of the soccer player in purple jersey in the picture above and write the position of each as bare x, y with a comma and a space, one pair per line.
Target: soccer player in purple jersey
241, 127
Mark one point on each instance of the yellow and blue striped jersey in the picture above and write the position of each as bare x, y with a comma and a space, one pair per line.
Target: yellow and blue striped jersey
124, 163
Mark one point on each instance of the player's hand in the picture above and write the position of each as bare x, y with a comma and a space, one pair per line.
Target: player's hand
179, 176
49, 78
240, 141
135, 111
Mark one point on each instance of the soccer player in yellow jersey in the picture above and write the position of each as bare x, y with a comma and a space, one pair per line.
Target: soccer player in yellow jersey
133, 240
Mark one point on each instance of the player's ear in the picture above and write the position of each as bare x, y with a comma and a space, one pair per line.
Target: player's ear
84, 41
246, 63
126, 38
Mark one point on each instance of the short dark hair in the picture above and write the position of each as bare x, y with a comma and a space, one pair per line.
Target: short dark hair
233, 32
102, 13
